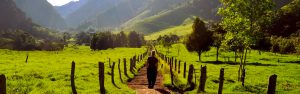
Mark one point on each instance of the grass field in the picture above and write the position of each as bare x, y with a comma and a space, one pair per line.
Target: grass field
181, 30
258, 71
49, 72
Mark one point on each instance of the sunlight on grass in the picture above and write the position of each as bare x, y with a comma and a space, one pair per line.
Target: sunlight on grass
49, 72
258, 70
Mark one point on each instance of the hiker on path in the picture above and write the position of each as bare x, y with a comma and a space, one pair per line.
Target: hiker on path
152, 63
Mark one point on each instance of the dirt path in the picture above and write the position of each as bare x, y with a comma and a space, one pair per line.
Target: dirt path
140, 84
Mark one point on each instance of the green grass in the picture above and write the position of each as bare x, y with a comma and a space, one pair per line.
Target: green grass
49, 72
181, 30
258, 71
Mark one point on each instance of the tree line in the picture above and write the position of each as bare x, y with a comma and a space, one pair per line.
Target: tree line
106, 40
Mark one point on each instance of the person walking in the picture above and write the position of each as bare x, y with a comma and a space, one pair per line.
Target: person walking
152, 63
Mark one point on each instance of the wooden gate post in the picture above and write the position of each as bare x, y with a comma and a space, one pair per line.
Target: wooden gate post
221, 79
184, 70
101, 77
2, 84
272, 84
120, 73
72, 78
202, 79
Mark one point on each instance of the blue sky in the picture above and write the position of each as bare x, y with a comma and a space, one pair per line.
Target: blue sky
59, 2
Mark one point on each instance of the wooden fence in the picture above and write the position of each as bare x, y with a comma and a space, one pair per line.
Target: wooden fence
174, 65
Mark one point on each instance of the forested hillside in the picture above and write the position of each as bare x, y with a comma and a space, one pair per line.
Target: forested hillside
18, 32
42, 13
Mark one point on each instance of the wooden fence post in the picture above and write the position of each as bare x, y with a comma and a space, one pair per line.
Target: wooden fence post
120, 73
190, 75
72, 78
2, 84
221, 79
272, 84
101, 77
172, 77
184, 70
113, 74
175, 64
134, 62
125, 67
26, 57
202, 79
179, 66
131, 65
109, 62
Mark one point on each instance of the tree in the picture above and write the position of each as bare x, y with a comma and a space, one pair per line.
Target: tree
135, 39
241, 18
121, 39
66, 37
83, 38
24, 41
168, 40
200, 40
218, 37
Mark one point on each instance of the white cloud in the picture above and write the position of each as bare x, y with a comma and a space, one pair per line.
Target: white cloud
59, 2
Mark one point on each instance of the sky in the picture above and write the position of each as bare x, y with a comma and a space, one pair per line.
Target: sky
59, 2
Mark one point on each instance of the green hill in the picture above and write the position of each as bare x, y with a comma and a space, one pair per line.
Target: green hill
14, 26
41, 12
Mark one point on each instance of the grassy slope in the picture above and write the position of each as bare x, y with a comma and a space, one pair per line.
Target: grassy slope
49, 72
256, 75
181, 30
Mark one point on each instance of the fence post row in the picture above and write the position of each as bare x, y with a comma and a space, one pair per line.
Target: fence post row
112, 73
272, 84
2, 84
221, 79
101, 77
72, 78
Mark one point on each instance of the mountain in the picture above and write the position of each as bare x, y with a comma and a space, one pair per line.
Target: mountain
206, 9
69, 8
42, 13
11, 17
143, 15
15, 26
90, 9
128, 11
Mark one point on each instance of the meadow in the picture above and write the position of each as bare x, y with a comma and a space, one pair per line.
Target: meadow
258, 70
49, 72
